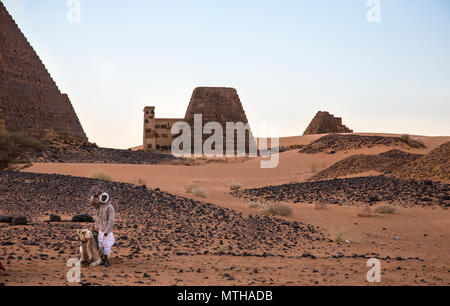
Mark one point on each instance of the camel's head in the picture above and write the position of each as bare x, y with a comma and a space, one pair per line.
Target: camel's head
84, 235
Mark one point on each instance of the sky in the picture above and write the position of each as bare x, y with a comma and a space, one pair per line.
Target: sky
287, 59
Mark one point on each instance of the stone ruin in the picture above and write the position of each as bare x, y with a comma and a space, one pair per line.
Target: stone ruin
324, 123
219, 104
30, 101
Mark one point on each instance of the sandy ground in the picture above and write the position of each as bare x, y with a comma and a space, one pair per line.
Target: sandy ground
423, 233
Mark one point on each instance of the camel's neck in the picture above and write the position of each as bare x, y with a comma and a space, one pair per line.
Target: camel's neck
85, 245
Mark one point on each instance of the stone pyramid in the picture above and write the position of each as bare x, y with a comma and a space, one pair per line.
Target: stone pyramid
324, 123
219, 104
30, 101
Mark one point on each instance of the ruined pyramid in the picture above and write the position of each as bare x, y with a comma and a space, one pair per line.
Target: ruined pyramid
324, 123
30, 101
218, 104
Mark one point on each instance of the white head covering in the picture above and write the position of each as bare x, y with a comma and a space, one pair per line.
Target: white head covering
100, 198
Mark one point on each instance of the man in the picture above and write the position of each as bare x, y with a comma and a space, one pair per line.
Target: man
104, 224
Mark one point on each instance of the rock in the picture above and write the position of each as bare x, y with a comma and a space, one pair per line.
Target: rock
19, 221
83, 218
55, 218
5, 219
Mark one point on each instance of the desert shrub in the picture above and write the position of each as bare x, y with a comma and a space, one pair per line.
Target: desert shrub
13, 150
254, 205
277, 209
346, 203
235, 186
140, 182
385, 209
195, 189
101, 176
413, 143
320, 205
190, 187
366, 212
340, 237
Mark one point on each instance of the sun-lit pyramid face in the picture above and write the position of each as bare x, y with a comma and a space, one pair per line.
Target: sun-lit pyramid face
218, 104
30, 101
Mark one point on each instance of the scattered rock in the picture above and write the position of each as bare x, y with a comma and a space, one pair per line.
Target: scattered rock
55, 218
83, 218
19, 221
5, 219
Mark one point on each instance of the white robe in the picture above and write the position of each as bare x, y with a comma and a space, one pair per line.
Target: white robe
105, 243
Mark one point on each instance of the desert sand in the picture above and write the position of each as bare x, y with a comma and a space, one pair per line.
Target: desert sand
413, 243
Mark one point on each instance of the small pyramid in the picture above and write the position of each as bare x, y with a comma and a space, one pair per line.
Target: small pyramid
30, 101
324, 123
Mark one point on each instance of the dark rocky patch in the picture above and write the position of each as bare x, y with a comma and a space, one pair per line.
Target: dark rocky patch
360, 189
384, 162
338, 142
166, 224
58, 153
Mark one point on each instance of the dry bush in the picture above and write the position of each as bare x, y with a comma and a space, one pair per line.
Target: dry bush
235, 186
195, 189
385, 209
13, 149
346, 203
140, 182
101, 176
314, 168
413, 143
190, 187
277, 209
320, 205
366, 212
254, 205
341, 236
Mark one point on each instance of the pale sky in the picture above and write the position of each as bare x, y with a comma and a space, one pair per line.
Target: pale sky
288, 59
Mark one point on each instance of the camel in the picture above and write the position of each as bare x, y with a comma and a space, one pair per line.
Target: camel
90, 253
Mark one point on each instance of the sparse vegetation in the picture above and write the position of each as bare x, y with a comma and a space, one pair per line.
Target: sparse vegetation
235, 186
140, 182
277, 209
195, 189
13, 149
341, 236
346, 203
385, 209
413, 143
366, 212
254, 205
101, 176
320, 205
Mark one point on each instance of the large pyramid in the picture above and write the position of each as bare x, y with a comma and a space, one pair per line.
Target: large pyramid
324, 123
30, 101
219, 104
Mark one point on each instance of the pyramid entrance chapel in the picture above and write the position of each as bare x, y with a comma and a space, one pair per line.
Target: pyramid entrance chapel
218, 104
30, 101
